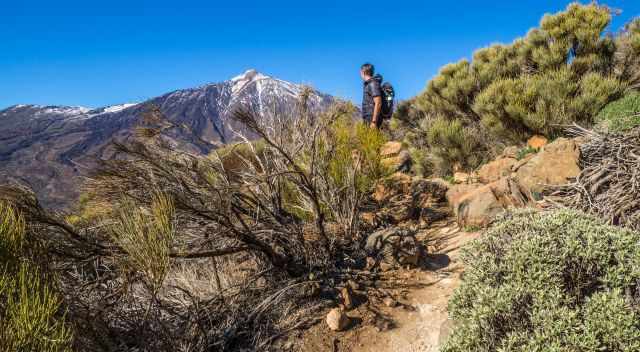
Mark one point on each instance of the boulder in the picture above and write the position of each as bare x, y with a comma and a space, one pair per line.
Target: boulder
396, 184
522, 162
454, 193
394, 246
537, 142
401, 198
369, 219
479, 206
510, 152
401, 162
390, 302
390, 149
556, 164
496, 169
337, 320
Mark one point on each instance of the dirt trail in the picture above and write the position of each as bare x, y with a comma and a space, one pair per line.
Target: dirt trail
419, 322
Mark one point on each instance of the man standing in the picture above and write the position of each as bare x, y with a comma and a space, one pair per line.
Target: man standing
372, 97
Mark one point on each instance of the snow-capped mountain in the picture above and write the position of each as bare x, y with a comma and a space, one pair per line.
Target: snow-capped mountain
50, 147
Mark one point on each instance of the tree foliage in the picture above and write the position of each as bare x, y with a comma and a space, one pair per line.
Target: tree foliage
562, 72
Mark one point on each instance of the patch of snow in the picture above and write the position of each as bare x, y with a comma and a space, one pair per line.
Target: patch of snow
64, 110
241, 81
116, 108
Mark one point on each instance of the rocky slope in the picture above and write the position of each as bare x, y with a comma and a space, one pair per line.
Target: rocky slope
51, 147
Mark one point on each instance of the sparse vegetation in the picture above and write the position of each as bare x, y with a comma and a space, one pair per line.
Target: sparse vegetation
173, 250
559, 280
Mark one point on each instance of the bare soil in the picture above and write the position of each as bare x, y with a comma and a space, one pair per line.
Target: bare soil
419, 322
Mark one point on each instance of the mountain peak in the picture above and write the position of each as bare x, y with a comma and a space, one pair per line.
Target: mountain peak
249, 75
243, 80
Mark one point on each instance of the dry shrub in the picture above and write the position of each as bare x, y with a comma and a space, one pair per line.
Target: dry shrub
609, 183
174, 251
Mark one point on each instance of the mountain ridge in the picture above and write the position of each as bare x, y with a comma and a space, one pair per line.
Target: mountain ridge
49, 147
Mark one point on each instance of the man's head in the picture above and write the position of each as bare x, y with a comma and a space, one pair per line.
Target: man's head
367, 71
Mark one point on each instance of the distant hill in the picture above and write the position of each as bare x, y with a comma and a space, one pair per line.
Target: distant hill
51, 147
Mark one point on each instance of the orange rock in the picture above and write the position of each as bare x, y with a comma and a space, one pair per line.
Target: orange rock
390, 149
495, 170
337, 320
537, 142
556, 164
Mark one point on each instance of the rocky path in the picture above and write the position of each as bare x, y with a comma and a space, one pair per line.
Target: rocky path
418, 321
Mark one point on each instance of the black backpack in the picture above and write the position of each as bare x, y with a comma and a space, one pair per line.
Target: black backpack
388, 97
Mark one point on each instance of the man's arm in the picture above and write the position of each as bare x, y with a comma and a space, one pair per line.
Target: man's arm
377, 108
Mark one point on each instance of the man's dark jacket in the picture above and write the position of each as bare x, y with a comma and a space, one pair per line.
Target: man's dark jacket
371, 90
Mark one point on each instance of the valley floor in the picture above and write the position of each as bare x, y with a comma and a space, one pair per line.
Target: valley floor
419, 322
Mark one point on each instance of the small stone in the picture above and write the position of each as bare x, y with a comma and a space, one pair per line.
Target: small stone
383, 325
337, 320
353, 285
346, 298
390, 302
369, 218
461, 177
385, 266
371, 263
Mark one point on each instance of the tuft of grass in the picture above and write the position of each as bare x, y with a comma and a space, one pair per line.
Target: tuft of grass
12, 230
522, 153
622, 114
31, 321
449, 178
146, 235
30, 308
472, 228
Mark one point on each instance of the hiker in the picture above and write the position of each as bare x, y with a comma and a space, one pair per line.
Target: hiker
377, 98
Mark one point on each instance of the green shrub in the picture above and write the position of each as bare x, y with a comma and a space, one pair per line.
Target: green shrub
147, 238
563, 72
522, 153
622, 114
549, 281
353, 144
30, 318
454, 146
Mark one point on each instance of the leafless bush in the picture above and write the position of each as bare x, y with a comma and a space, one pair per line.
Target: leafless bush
609, 184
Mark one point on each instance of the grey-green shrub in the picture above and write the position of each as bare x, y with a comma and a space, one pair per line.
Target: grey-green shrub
622, 114
549, 281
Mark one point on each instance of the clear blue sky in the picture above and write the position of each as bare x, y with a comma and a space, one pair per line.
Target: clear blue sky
96, 53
